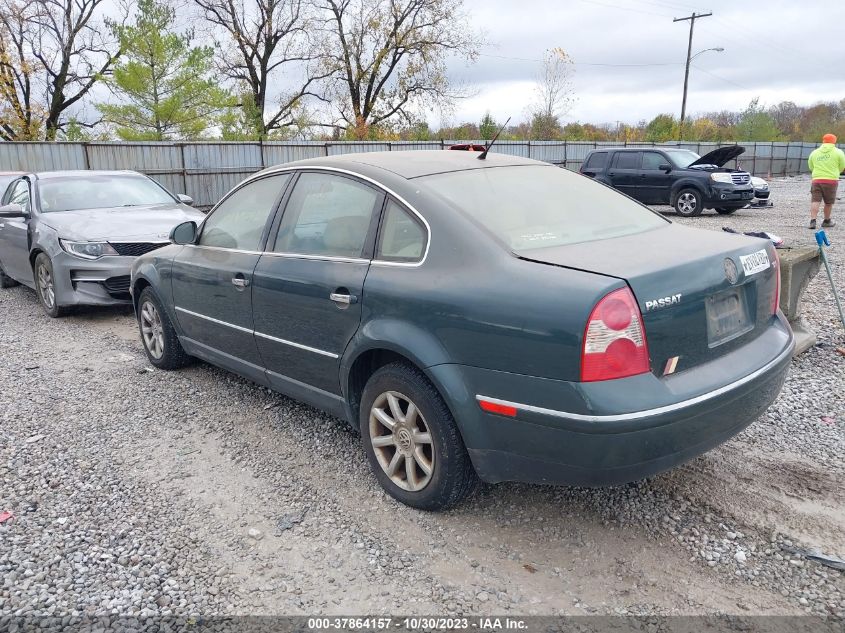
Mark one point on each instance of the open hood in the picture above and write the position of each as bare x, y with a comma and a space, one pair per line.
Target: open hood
720, 156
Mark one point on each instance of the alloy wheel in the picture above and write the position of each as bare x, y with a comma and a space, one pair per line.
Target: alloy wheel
402, 441
45, 287
152, 330
687, 203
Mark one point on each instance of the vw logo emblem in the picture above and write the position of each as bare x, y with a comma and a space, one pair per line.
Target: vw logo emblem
403, 439
731, 272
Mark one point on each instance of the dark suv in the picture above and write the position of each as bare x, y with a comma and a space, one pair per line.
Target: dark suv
687, 181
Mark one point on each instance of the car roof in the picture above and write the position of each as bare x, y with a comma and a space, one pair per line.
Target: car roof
45, 175
412, 164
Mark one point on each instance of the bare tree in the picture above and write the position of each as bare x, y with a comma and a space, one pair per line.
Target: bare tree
20, 115
554, 94
74, 49
386, 58
262, 39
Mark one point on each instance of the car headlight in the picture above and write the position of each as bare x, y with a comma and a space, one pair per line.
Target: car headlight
88, 250
720, 177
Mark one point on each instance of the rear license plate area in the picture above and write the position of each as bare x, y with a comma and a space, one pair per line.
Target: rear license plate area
727, 316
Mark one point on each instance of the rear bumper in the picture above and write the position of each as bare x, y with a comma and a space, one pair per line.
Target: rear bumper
103, 281
557, 445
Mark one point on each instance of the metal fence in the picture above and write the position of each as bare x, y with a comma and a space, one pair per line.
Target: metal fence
207, 170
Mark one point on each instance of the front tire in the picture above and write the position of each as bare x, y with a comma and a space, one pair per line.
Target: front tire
158, 336
45, 286
412, 441
688, 203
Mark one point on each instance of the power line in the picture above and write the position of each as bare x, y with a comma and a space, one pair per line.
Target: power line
621, 8
528, 59
707, 72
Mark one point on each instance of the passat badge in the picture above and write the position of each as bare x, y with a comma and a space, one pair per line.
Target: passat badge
662, 302
731, 272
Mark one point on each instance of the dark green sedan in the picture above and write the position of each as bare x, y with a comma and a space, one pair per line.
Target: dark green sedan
498, 319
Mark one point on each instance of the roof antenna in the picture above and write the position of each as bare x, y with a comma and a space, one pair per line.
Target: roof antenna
483, 154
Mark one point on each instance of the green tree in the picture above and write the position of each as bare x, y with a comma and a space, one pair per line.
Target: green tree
755, 124
661, 128
488, 127
165, 84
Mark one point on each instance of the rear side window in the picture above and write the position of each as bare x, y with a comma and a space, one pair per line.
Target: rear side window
529, 207
238, 222
402, 237
628, 160
597, 160
327, 215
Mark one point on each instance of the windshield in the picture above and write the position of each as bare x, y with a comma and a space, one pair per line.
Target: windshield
531, 207
681, 158
98, 192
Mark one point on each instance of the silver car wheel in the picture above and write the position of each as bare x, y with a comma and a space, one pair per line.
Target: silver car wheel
152, 330
45, 286
687, 203
401, 441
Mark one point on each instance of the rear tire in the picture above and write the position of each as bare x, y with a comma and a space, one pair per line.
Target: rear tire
5, 280
45, 286
688, 202
412, 441
158, 336
724, 211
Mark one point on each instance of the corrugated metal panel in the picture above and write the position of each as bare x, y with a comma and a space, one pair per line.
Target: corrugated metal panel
403, 146
355, 147
225, 155
41, 156
278, 153
208, 188
145, 157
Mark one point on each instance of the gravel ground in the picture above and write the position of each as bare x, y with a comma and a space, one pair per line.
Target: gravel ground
143, 492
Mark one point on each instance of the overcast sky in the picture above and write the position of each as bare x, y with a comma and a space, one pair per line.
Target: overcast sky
775, 49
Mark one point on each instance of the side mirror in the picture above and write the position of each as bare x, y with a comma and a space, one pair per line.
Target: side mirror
184, 233
185, 199
12, 211
665, 167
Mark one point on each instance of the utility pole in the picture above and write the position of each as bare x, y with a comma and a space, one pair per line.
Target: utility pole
692, 18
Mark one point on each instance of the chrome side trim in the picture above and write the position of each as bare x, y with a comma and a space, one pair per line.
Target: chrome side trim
221, 248
322, 258
297, 345
637, 415
217, 321
267, 336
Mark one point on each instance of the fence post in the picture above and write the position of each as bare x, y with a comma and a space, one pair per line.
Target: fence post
326, 148
184, 169
565, 154
85, 157
529, 149
754, 161
261, 152
772, 159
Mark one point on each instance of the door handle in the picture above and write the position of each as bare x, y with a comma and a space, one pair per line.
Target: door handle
240, 281
343, 298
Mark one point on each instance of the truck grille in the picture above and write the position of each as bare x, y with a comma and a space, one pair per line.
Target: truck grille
134, 249
741, 178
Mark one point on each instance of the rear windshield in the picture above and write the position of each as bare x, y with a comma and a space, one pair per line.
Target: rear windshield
537, 206
98, 192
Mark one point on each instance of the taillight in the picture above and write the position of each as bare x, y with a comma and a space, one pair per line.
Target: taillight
614, 339
776, 304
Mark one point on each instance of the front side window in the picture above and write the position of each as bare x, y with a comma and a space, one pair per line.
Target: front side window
529, 207
327, 215
402, 238
20, 195
628, 160
653, 160
99, 191
238, 222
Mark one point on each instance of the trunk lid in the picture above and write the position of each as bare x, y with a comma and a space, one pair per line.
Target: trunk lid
720, 157
682, 280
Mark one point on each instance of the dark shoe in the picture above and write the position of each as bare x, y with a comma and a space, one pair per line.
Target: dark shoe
828, 224
813, 224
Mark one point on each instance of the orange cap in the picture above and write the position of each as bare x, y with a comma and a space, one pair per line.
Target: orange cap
829, 138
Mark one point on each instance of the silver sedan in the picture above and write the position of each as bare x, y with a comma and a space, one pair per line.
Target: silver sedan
72, 236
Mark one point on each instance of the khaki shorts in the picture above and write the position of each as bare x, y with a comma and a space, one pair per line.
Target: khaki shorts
823, 191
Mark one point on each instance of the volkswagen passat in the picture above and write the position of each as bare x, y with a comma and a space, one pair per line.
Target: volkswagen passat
500, 319
73, 235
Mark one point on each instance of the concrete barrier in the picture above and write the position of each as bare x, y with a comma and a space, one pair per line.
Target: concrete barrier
798, 266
